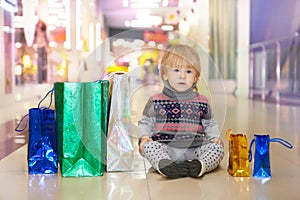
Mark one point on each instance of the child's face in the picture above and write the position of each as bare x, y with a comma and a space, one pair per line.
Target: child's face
180, 78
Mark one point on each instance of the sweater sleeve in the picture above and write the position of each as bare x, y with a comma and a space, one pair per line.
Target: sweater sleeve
210, 125
146, 123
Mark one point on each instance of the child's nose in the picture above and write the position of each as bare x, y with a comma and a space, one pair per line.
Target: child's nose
182, 74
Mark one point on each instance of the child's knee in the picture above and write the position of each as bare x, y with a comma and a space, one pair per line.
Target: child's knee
148, 144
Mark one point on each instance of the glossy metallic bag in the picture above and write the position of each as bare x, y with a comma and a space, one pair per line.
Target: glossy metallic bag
262, 166
238, 164
81, 116
42, 151
119, 141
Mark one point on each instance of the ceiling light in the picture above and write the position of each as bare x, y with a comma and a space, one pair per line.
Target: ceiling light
125, 3
167, 28
18, 45
127, 23
149, 21
165, 3
144, 4
142, 13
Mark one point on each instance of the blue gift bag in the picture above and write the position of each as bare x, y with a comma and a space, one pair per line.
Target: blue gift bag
42, 151
262, 154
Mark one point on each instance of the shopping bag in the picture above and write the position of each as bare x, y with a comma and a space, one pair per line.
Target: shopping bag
42, 150
238, 164
120, 147
262, 154
81, 116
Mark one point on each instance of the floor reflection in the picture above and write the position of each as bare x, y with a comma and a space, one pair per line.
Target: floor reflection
10, 140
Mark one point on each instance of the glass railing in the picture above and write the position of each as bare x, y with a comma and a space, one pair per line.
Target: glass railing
275, 70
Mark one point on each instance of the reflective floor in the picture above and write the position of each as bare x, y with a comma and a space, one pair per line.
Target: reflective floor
242, 115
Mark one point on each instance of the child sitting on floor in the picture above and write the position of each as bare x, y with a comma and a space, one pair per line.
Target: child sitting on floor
178, 134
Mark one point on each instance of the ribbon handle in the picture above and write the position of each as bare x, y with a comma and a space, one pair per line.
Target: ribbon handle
282, 142
279, 140
17, 129
109, 76
250, 150
51, 93
228, 133
18, 126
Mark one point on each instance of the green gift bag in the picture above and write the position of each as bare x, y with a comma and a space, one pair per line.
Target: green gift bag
81, 117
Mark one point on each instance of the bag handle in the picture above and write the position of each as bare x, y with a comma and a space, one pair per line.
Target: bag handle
18, 126
228, 133
109, 76
282, 142
250, 150
17, 129
279, 140
51, 93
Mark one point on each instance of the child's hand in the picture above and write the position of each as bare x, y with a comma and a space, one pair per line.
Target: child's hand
218, 141
143, 140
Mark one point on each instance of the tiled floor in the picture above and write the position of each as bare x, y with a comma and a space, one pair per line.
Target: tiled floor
242, 115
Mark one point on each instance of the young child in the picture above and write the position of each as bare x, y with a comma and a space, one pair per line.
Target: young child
178, 134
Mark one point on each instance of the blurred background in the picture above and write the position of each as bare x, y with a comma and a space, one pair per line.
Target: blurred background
254, 45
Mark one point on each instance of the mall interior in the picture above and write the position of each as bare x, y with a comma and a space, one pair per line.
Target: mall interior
250, 71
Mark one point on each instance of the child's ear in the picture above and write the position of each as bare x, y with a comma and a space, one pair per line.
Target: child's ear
165, 78
197, 78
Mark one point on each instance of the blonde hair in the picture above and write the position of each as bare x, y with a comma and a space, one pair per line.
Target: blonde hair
178, 56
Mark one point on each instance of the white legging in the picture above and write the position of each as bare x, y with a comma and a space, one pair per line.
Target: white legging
210, 154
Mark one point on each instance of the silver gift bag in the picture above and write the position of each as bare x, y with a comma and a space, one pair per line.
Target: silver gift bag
120, 148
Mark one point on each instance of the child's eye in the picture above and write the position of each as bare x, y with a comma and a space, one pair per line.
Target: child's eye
176, 70
189, 71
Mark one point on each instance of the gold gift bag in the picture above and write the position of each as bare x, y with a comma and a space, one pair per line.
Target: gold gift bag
238, 154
